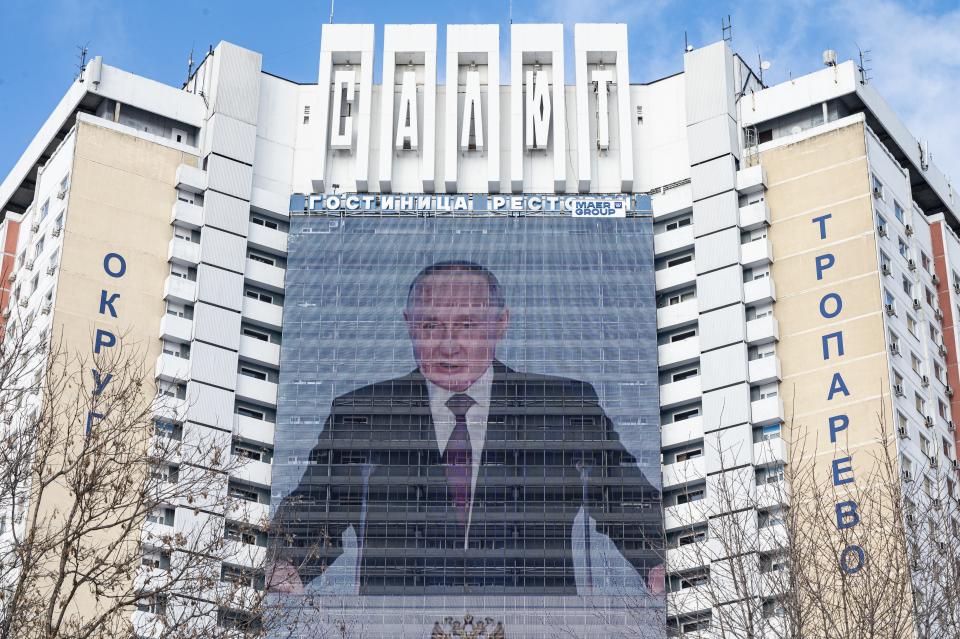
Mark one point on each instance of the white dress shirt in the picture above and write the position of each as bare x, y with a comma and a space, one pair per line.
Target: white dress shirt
444, 422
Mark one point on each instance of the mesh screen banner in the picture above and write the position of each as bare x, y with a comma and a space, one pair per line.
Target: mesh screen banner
467, 437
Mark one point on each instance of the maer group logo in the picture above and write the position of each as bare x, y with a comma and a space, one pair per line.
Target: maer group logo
595, 207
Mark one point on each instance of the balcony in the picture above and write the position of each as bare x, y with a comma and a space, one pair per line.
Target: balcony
682, 352
172, 368
262, 313
772, 451
256, 350
682, 392
241, 554
672, 241
676, 276
677, 314
177, 289
766, 411
763, 330
183, 252
171, 408
249, 512
682, 432
251, 429
190, 178
690, 601
761, 290
756, 253
269, 201
683, 515
764, 370
684, 473
270, 277
256, 390
187, 214
754, 216
751, 179
176, 329
269, 239
253, 472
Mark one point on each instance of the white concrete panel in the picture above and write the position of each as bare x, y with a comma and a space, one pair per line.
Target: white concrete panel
412, 46
604, 44
728, 448
717, 250
720, 288
477, 44
532, 45
344, 45
236, 83
210, 405
714, 213
229, 176
230, 137
722, 327
726, 407
213, 365
216, 325
723, 366
713, 177
222, 249
220, 287
712, 138
708, 77
226, 212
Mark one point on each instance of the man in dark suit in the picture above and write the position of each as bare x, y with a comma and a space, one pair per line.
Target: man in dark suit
464, 476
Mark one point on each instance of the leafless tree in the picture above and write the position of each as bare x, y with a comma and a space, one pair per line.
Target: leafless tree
93, 462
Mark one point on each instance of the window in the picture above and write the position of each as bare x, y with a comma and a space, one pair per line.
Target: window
677, 337
262, 258
689, 454
903, 249
772, 608
249, 412
249, 332
931, 299
770, 475
947, 448
161, 515
916, 364
685, 374
154, 604
250, 372
888, 298
920, 404
934, 334
901, 420
689, 496
924, 261
768, 433
877, 186
881, 224
678, 223
682, 259
677, 298
687, 537
44, 210
258, 295
894, 341
907, 285
767, 518
912, 325
884, 262
898, 211
937, 371
264, 222
941, 409
924, 445
38, 247
686, 414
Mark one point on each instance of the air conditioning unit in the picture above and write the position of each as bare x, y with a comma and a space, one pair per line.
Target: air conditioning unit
61, 193
882, 231
35, 227
956, 288
933, 461
928, 421
24, 302
912, 265
908, 229
942, 546
12, 278
954, 464
950, 426
898, 389
938, 314
51, 269
878, 192
916, 304
891, 309
942, 349
894, 349
935, 279
29, 265
907, 475
949, 392
45, 309
911, 519
902, 432
935, 502
55, 231
885, 269
925, 380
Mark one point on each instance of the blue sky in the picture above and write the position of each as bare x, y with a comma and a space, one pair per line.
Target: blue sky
915, 47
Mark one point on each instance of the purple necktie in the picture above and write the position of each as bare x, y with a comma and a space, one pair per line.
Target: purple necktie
458, 458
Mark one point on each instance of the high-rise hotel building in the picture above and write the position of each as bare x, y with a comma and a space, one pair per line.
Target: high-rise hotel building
806, 256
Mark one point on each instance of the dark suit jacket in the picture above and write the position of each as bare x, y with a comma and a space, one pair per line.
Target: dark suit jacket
549, 450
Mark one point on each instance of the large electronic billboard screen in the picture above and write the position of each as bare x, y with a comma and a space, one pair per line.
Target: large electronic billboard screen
467, 434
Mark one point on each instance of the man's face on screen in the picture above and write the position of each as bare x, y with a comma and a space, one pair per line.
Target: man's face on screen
454, 328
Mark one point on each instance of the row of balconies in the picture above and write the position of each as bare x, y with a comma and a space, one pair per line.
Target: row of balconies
692, 471
687, 312
755, 253
191, 216
182, 291
751, 216
759, 331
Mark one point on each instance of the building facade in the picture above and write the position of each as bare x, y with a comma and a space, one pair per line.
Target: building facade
805, 250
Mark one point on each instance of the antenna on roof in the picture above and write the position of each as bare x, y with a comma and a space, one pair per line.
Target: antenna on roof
189, 65
687, 47
726, 26
510, 11
82, 56
331, 11
864, 67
